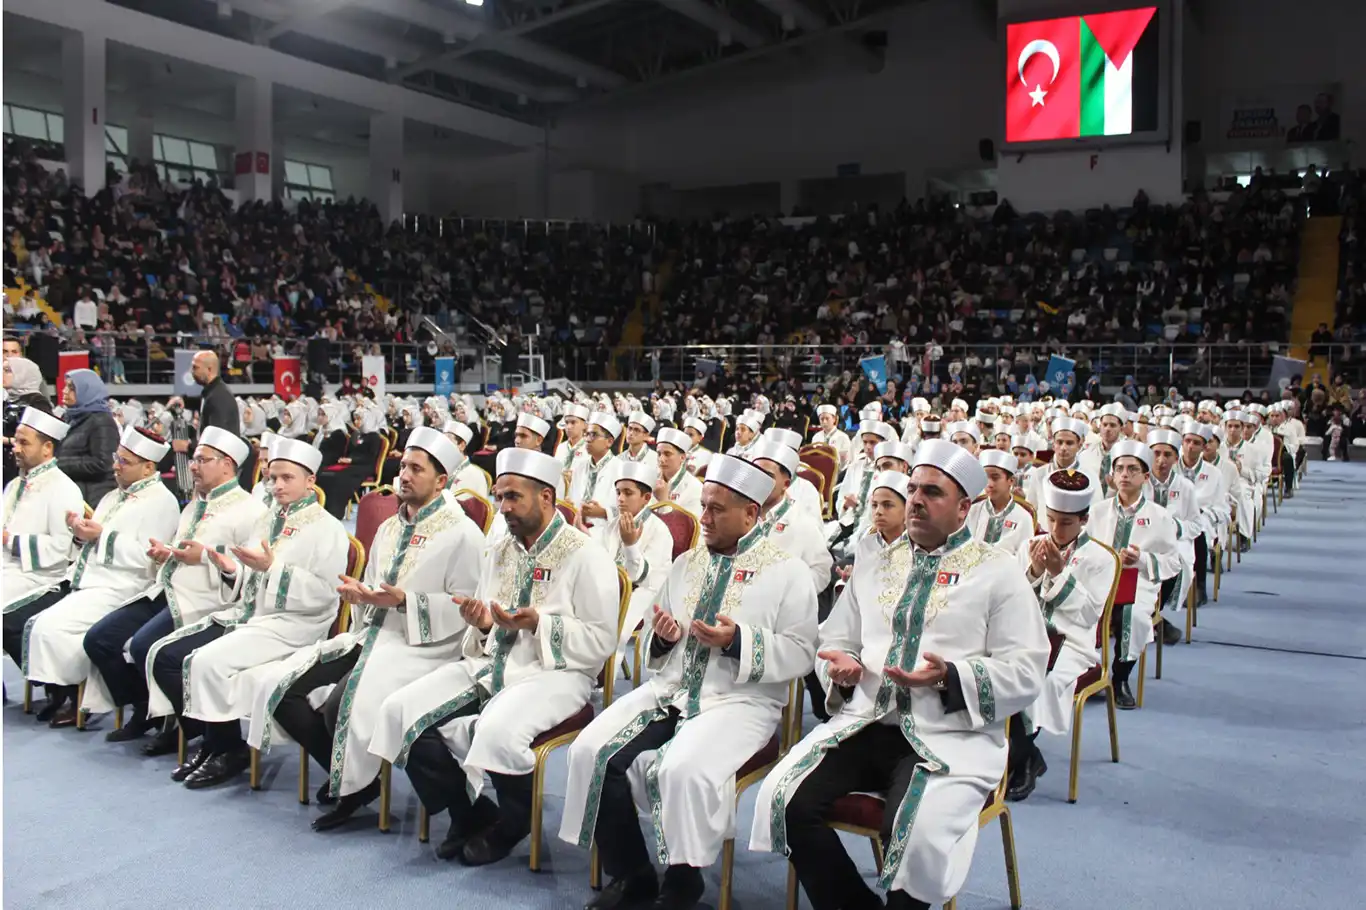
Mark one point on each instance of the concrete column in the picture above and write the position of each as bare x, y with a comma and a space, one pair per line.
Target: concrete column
386, 165
141, 133
255, 159
83, 113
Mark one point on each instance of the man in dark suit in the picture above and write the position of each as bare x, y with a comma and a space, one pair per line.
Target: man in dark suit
217, 408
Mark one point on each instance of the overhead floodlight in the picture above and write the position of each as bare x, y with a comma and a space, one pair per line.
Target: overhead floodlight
475, 2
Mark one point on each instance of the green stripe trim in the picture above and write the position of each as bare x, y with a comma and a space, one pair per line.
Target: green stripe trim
424, 722
424, 618
605, 754
756, 656
282, 591
33, 552
1052, 603
109, 547
1092, 102
557, 642
986, 695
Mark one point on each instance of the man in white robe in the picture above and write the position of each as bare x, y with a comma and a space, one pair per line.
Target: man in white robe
531, 431
280, 595
592, 487
1173, 492
921, 676
1072, 575
831, 435
802, 491
37, 534
1245, 462
574, 422
1095, 459
676, 483
1143, 535
1258, 450
185, 589
1067, 436
852, 495
403, 626
1211, 493
997, 517
747, 429
735, 624
110, 569
540, 627
1279, 423
466, 475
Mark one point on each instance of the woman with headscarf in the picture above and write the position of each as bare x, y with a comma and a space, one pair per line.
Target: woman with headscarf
23, 389
86, 455
294, 420
409, 417
341, 478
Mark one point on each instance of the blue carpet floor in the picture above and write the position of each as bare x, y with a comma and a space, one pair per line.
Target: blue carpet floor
1239, 785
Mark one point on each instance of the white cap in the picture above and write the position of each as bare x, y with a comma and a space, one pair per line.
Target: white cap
895, 481
1128, 448
299, 452
1071, 425
1116, 410
142, 445
534, 424
1165, 438
1070, 501
790, 438
1018, 441
960, 404
529, 463
1238, 416
267, 442
640, 472
693, 423
894, 449
920, 405
1195, 428
877, 428
44, 423
676, 438
435, 444
607, 422
929, 426
963, 426
954, 461
772, 450
827, 409
576, 410
642, 420
456, 428
871, 411
741, 476
995, 458
230, 444
755, 422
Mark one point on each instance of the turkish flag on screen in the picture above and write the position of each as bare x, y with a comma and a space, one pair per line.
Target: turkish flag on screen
68, 361
1043, 80
287, 378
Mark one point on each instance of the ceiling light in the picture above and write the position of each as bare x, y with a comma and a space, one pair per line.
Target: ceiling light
475, 2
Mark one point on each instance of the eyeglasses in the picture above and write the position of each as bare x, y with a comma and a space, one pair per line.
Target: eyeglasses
202, 460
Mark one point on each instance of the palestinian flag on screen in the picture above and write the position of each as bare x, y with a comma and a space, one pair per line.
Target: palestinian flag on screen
1093, 75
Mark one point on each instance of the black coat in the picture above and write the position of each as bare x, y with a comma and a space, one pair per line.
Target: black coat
14, 410
218, 408
86, 455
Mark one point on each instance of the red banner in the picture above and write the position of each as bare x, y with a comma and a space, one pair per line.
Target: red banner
287, 384
242, 163
68, 361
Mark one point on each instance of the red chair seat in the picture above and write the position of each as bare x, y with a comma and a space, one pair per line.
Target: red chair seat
573, 724
765, 756
335, 467
1087, 678
858, 810
1055, 643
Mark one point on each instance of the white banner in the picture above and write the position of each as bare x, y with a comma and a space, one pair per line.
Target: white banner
372, 373
1280, 115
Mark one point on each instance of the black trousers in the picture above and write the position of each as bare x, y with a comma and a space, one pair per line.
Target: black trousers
1287, 470
1021, 744
1201, 562
435, 774
825, 602
877, 759
621, 844
139, 624
167, 670
314, 729
15, 621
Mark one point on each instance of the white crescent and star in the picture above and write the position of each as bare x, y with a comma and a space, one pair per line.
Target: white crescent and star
1049, 50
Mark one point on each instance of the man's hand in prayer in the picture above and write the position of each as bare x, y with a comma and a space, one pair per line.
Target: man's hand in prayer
629, 532
158, 551
931, 673
190, 552
261, 560
850, 500
519, 620
717, 636
475, 612
593, 509
224, 563
1129, 556
666, 628
843, 668
86, 529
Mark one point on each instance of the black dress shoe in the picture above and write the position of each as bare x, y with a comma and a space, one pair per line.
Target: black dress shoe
491, 845
481, 816
682, 890
197, 757
136, 728
634, 891
324, 795
1171, 635
66, 717
1124, 699
164, 743
1033, 769
347, 807
49, 711
1201, 598
219, 769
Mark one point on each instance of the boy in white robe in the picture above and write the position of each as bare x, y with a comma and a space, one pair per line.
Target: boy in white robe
1245, 463
263, 490
852, 494
1211, 495
677, 484
466, 475
1067, 436
574, 422
1143, 535
280, 596
403, 626
997, 517
110, 568
921, 675
540, 627
37, 536
831, 435
800, 490
639, 426
747, 429
1095, 459
1175, 493
1072, 576
185, 589
531, 432
736, 622
887, 456
592, 487
700, 456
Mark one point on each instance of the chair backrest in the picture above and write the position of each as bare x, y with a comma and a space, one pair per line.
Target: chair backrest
375, 508
681, 523
89, 512
815, 478
355, 567
1277, 444
822, 458
383, 454
567, 510
1124, 582
479, 509
608, 675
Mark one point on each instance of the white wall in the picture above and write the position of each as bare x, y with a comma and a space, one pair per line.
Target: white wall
1072, 180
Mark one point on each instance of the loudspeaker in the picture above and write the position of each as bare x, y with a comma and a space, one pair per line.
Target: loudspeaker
319, 355
986, 149
42, 350
1193, 130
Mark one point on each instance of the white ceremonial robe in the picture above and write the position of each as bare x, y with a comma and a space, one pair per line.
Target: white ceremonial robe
1095, 461
596, 484
685, 490
1148, 527
1010, 529
271, 614
646, 456
698, 459
109, 572
430, 558
836, 439
729, 708
1179, 497
804, 493
1257, 452
910, 432
264, 492
1072, 603
1037, 482
1233, 487
646, 563
968, 602
224, 519
470, 477
527, 682
797, 533
36, 504
1246, 493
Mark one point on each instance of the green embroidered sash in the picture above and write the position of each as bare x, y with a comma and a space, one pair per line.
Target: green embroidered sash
504, 639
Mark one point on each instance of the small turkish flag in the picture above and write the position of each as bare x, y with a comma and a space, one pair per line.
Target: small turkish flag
287, 378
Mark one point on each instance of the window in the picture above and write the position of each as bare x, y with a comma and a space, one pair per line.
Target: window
308, 181
28, 123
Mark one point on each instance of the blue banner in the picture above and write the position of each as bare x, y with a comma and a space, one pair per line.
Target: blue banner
875, 368
1061, 375
185, 386
445, 376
